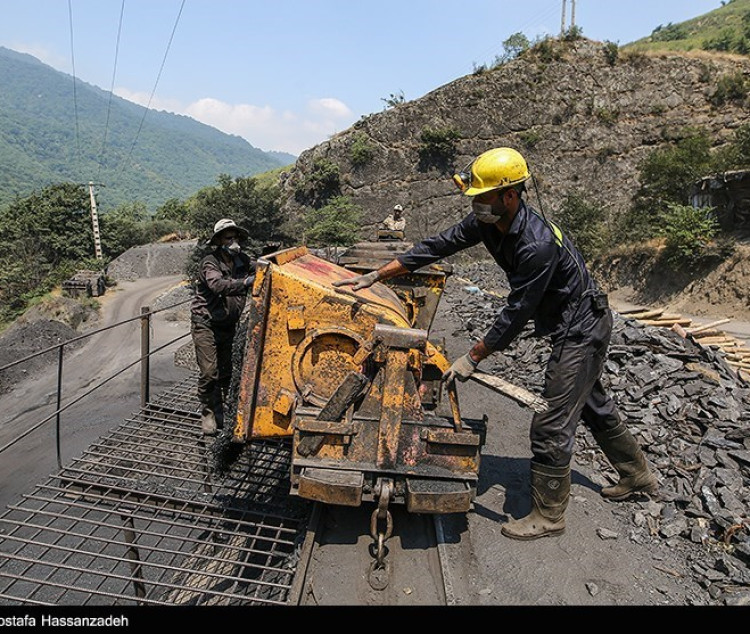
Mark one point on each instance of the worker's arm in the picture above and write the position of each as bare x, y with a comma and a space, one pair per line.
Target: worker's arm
394, 268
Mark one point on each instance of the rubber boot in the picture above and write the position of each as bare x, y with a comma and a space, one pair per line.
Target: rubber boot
550, 491
627, 458
208, 421
218, 407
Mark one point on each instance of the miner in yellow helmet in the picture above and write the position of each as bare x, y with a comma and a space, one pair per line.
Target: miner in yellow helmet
549, 284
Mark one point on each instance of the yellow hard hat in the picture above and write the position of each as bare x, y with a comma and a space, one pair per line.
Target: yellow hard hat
494, 169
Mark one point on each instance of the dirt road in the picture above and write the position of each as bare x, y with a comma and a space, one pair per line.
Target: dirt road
101, 358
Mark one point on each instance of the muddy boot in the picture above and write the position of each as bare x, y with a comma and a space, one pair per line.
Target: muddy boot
208, 421
550, 490
218, 408
627, 458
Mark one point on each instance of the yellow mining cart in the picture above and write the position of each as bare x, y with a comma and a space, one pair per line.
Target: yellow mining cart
350, 377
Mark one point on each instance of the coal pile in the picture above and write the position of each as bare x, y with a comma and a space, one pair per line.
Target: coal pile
152, 260
25, 339
689, 411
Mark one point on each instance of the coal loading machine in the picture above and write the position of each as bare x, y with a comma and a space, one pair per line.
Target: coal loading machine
353, 380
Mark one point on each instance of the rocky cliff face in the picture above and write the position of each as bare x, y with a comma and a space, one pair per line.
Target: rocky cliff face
583, 118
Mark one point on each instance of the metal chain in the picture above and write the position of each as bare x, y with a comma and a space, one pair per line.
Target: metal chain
380, 568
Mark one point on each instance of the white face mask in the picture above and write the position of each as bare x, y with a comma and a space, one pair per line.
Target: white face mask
484, 213
233, 249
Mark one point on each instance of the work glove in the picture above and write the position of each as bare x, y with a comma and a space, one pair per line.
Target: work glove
248, 281
462, 369
360, 281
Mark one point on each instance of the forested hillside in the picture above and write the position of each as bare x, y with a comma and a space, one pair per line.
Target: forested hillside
53, 131
726, 29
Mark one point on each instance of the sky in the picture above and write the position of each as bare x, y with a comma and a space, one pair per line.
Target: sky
288, 74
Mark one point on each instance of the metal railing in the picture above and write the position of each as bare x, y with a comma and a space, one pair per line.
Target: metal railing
143, 360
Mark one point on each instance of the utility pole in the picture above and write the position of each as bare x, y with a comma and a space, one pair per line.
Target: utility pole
95, 223
562, 21
572, 16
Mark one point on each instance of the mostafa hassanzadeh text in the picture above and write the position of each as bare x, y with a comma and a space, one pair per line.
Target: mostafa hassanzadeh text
49, 620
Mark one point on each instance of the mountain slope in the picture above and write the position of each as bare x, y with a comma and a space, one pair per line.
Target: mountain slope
51, 132
724, 29
584, 119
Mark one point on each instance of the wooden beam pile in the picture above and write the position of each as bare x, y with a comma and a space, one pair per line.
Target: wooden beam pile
736, 351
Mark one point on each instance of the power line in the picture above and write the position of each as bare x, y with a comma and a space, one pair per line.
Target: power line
535, 20
75, 96
156, 83
111, 90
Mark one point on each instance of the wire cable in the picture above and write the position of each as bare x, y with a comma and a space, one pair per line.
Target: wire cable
156, 83
111, 91
534, 21
75, 96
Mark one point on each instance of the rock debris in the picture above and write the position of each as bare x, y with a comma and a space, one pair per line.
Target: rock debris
689, 410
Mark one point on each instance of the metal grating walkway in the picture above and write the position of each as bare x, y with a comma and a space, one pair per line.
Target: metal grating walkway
153, 514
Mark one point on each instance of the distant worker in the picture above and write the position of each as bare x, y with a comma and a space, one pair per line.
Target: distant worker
224, 277
550, 284
395, 221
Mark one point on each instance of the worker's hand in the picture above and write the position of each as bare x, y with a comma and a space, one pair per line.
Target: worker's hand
360, 281
249, 281
462, 369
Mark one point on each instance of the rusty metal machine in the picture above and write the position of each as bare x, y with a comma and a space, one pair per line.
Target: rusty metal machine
353, 380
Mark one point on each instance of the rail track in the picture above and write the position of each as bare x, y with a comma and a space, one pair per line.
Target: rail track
154, 514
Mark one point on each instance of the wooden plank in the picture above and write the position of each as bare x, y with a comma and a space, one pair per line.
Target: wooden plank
706, 341
646, 314
667, 323
345, 394
712, 324
518, 394
705, 333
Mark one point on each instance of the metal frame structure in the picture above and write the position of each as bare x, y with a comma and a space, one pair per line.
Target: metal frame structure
152, 514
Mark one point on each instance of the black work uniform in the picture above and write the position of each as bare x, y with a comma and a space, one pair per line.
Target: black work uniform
550, 284
219, 300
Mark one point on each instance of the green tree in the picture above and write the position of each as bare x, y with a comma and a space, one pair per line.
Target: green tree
335, 224
666, 177
742, 145
731, 87
321, 184
175, 210
688, 231
585, 224
42, 238
437, 147
362, 151
514, 46
123, 228
255, 209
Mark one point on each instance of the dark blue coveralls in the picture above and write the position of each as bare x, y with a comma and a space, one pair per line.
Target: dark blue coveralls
550, 284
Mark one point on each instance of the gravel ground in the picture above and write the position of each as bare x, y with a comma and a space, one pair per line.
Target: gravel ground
62, 318
688, 410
